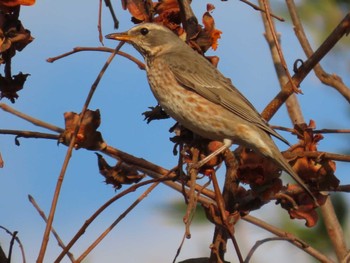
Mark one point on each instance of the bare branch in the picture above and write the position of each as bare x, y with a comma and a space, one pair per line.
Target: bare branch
67, 158
293, 239
43, 216
262, 10
335, 232
331, 80
341, 30
30, 119
140, 64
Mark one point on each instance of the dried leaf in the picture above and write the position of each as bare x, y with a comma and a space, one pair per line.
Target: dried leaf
155, 113
119, 174
168, 14
13, 36
317, 172
305, 206
88, 137
10, 86
13, 3
137, 9
260, 173
209, 27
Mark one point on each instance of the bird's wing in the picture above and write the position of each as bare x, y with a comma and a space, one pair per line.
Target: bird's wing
203, 78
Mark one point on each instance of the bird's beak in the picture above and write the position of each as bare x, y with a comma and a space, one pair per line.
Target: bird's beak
119, 36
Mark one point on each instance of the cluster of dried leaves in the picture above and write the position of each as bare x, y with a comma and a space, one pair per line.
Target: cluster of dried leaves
168, 13
13, 37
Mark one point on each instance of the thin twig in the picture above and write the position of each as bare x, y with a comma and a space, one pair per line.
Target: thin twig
99, 23
68, 156
276, 42
334, 229
111, 10
294, 240
140, 64
17, 240
331, 80
31, 119
262, 10
82, 230
291, 130
342, 29
261, 242
109, 229
322, 155
30, 134
43, 216
192, 200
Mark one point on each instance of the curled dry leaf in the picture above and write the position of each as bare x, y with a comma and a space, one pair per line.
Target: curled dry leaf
13, 3
260, 173
205, 147
316, 172
138, 9
212, 33
155, 113
168, 14
305, 206
10, 86
13, 36
88, 137
119, 174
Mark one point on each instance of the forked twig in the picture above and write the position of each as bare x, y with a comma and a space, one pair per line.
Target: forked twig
30, 119
326, 78
109, 229
43, 216
342, 29
67, 158
14, 237
261, 242
140, 64
82, 230
262, 10
294, 240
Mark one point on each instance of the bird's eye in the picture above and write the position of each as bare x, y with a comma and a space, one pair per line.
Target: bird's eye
144, 31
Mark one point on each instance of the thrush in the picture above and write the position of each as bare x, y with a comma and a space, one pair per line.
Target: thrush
197, 95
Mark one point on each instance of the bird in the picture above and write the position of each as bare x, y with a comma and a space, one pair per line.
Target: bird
197, 95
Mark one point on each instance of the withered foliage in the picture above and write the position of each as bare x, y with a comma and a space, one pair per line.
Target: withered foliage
167, 13
13, 37
317, 172
11, 85
88, 137
119, 174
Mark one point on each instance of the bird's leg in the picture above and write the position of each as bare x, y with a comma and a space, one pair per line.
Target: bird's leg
227, 144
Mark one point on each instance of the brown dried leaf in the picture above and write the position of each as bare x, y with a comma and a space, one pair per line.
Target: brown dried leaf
10, 86
155, 113
209, 27
168, 14
13, 3
260, 173
13, 36
119, 174
305, 208
88, 137
317, 172
137, 9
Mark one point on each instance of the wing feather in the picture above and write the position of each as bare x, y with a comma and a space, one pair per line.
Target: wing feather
199, 77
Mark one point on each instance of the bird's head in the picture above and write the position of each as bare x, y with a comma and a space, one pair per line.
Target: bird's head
149, 39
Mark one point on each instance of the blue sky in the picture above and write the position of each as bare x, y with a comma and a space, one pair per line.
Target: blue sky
122, 96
